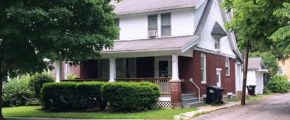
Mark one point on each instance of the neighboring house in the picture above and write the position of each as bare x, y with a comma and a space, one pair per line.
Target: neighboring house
181, 45
284, 68
255, 76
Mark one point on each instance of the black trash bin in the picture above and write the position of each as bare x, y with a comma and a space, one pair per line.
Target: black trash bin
214, 95
251, 90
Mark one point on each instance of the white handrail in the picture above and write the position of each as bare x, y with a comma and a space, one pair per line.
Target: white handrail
198, 89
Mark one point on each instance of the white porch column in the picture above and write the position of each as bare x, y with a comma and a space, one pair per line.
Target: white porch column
175, 72
112, 69
58, 71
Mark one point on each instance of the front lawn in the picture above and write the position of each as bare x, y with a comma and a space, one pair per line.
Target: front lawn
35, 111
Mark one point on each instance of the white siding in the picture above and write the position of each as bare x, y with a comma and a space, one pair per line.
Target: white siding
260, 83
135, 26
257, 79
182, 22
198, 14
207, 41
239, 77
251, 78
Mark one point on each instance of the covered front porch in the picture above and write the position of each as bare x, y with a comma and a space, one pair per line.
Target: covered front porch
156, 69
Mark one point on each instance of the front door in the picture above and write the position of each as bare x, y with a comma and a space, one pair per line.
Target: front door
218, 77
162, 67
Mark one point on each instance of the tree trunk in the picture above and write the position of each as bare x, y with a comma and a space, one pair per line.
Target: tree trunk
243, 100
2, 78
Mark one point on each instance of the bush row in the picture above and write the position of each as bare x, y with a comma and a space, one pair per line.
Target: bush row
71, 96
121, 96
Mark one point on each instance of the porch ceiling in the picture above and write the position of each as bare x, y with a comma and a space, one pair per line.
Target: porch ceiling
153, 47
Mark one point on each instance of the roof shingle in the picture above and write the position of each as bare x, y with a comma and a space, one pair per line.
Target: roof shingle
139, 6
156, 44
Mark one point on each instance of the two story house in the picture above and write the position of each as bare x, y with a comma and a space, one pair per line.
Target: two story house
181, 45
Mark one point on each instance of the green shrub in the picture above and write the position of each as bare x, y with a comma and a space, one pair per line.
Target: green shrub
278, 84
128, 97
69, 96
36, 82
71, 76
17, 93
266, 90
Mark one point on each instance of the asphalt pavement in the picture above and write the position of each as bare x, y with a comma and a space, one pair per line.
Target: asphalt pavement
274, 107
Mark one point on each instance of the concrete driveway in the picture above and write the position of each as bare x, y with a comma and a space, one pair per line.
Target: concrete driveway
274, 107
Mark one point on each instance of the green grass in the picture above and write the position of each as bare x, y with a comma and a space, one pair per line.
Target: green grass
249, 99
252, 99
35, 111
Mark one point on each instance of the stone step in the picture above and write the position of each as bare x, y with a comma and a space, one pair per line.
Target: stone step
189, 100
194, 104
187, 96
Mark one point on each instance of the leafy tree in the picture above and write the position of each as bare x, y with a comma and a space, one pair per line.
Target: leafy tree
254, 22
69, 30
281, 37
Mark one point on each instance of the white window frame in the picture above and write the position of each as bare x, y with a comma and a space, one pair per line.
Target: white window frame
227, 67
165, 25
219, 73
217, 43
117, 22
151, 27
203, 74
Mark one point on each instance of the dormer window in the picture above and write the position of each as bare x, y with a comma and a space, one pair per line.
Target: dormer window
217, 43
217, 33
152, 25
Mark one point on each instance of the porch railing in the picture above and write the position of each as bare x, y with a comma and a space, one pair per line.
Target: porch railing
163, 82
86, 80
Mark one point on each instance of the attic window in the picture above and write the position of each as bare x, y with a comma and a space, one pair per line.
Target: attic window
217, 43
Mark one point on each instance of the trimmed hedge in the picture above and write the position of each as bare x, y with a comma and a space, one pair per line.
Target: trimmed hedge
122, 96
71, 96
128, 97
278, 84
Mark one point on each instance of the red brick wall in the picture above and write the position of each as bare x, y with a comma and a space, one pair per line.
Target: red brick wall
190, 68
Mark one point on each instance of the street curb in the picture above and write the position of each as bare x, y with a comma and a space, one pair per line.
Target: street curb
204, 109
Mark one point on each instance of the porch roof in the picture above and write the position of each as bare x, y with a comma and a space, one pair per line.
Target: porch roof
178, 44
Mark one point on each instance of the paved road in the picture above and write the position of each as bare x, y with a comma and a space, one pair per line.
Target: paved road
274, 107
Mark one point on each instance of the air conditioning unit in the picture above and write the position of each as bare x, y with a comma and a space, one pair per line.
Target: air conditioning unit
152, 33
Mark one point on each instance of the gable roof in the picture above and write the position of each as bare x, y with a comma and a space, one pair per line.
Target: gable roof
218, 30
140, 6
255, 63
